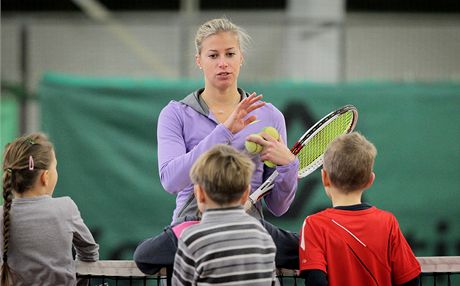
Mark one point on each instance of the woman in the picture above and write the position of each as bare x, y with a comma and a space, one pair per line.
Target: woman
222, 113
219, 113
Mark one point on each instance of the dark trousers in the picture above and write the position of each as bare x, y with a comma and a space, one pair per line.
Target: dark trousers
287, 246
156, 252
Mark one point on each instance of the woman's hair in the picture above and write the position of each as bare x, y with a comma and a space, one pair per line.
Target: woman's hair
220, 25
224, 173
349, 161
22, 161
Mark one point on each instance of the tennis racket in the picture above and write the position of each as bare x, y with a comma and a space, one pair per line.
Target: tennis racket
311, 146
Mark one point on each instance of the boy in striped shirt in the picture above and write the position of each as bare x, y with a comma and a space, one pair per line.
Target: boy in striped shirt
228, 246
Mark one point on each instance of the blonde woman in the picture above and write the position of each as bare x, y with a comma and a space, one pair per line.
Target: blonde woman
221, 112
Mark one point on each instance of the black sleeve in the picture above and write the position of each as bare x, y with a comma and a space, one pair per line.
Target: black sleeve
314, 277
413, 282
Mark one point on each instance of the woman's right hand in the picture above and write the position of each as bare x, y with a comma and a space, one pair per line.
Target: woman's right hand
237, 121
274, 150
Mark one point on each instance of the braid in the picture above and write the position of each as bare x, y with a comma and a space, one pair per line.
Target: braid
8, 181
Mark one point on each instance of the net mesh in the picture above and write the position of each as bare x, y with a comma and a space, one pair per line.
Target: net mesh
311, 155
436, 270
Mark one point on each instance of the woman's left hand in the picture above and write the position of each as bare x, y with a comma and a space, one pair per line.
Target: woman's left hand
237, 120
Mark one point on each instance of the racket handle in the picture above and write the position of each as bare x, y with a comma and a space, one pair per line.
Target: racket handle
249, 203
264, 189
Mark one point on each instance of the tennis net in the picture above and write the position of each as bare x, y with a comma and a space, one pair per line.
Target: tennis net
436, 270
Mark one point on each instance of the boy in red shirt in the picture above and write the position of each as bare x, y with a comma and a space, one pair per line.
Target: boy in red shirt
353, 243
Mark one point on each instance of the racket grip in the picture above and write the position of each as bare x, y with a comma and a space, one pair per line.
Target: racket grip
249, 203
264, 188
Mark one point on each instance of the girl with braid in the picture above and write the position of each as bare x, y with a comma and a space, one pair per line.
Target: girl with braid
39, 231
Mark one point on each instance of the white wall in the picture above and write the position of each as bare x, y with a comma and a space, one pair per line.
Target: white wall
403, 47
285, 46
161, 45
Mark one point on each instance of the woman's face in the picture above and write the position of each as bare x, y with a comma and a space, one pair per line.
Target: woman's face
220, 59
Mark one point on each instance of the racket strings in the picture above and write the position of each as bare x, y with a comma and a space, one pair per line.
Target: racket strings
310, 156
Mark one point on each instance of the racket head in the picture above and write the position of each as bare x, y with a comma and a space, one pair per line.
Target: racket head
311, 146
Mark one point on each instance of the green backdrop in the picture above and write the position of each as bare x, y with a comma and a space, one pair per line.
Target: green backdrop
9, 118
104, 131
9, 122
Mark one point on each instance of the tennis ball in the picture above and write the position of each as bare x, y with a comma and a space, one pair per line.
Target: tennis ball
269, 164
272, 132
253, 147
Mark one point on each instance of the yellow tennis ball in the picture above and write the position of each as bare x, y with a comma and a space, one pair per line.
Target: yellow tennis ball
269, 164
253, 147
272, 132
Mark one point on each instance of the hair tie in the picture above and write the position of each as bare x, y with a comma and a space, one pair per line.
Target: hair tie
9, 170
30, 141
31, 163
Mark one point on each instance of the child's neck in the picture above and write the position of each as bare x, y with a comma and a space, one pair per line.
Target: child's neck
348, 199
34, 192
213, 205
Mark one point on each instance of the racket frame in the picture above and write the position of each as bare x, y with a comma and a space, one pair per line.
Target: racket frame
266, 186
316, 128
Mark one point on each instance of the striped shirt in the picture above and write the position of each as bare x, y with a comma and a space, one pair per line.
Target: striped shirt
228, 247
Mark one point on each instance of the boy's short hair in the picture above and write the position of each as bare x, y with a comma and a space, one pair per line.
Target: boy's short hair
223, 172
349, 161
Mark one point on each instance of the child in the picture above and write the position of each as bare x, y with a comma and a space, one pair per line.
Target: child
38, 230
353, 243
227, 245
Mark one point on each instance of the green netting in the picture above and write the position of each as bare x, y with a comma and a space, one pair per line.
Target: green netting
104, 130
9, 122
9, 119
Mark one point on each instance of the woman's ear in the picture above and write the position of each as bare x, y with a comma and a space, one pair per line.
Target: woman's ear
198, 61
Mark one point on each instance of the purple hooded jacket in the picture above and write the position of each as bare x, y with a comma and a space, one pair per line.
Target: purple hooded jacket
187, 129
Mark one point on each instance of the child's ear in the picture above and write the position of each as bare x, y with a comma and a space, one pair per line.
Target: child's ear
199, 193
325, 178
245, 195
44, 178
371, 181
